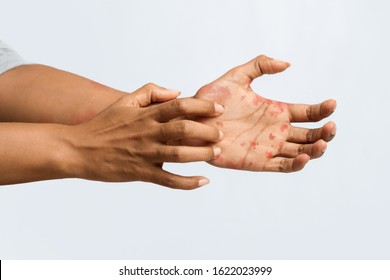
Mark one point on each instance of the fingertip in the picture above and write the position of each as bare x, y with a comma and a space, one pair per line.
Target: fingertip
218, 108
328, 107
322, 145
281, 65
300, 162
202, 182
333, 130
328, 131
162, 95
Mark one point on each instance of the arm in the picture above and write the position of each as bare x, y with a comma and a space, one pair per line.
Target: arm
259, 135
125, 142
42, 94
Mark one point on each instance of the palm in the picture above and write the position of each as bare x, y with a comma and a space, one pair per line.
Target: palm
258, 134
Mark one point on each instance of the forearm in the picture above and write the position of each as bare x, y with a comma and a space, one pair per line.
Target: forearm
42, 94
32, 152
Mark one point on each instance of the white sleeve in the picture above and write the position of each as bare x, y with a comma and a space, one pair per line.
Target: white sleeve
9, 58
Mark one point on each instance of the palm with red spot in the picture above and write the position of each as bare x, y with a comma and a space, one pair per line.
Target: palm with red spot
258, 134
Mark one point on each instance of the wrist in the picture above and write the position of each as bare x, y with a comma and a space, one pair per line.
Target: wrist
67, 160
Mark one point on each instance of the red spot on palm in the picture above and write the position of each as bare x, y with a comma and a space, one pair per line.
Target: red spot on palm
271, 137
269, 154
220, 123
253, 144
283, 127
242, 144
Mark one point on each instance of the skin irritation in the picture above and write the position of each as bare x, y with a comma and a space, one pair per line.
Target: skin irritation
217, 93
256, 129
251, 135
283, 128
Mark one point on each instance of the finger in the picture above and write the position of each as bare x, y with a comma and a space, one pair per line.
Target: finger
280, 164
306, 135
292, 150
174, 181
186, 153
185, 129
188, 142
255, 68
149, 94
311, 113
187, 107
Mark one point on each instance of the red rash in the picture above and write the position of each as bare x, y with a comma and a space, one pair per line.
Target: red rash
271, 137
257, 100
254, 144
217, 93
219, 159
220, 123
280, 106
269, 154
242, 144
283, 127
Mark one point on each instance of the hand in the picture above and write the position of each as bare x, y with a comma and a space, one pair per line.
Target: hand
258, 131
128, 140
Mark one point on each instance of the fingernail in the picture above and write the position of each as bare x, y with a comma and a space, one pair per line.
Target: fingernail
221, 135
324, 149
217, 151
333, 131
203, 182
218, 108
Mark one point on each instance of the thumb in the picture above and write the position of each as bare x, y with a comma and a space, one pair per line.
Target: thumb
148, 94
255, 68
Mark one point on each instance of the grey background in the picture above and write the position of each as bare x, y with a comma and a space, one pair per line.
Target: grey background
336, 208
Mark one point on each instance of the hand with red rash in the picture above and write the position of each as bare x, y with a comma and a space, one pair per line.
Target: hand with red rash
258, 132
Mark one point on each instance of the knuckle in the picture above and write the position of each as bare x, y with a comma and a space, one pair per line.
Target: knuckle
301, 149
163, 132
309, 113
235, 71
181, 128
310, 135
149, 86
179, 105
175, 155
